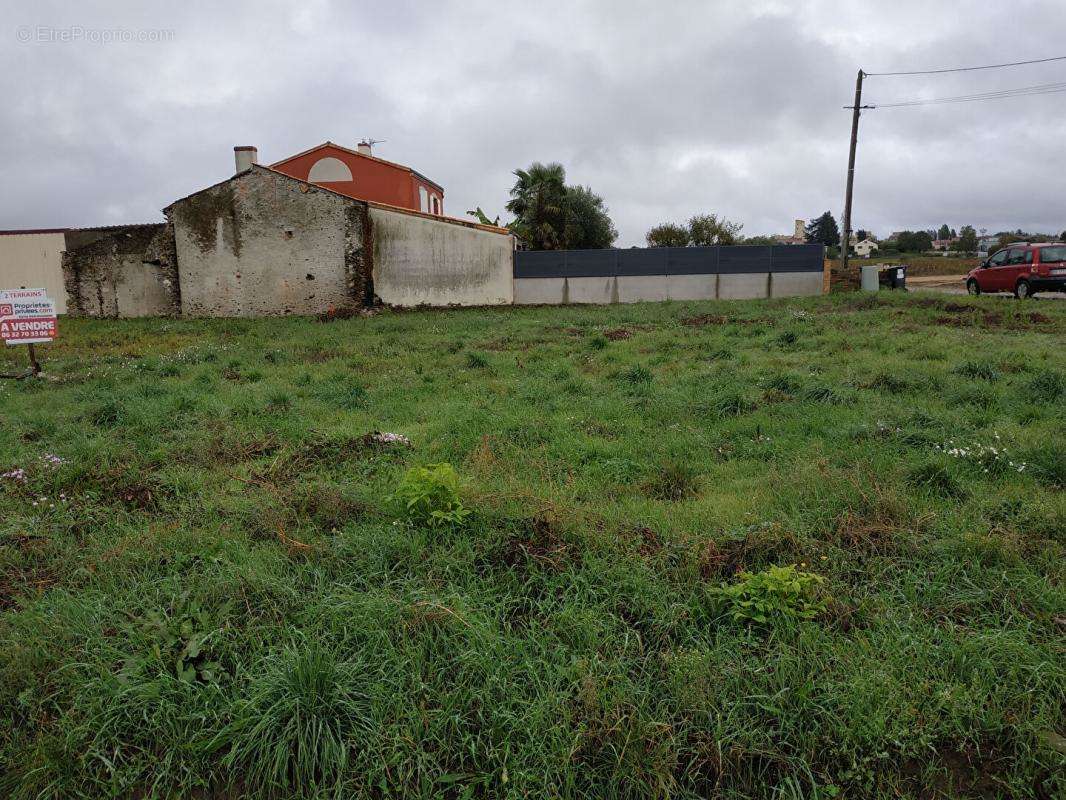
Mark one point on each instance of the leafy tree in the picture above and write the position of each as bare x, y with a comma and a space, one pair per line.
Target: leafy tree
549, 215
668, 234
914, 241
967, 239
944, 232
537, 200
758, 240
588, 225
862, 235
1062, 236
708, 229
824, 230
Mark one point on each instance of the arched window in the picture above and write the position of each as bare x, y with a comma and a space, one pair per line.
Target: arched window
329, 169
436, 205
423, 200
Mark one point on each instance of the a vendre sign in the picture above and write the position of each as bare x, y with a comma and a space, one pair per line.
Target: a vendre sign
27, 316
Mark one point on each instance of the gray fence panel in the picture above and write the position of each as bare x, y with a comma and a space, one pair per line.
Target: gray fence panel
540, 264
743, 259
798, 258
668, 261
591, 263
693, 260
643, 261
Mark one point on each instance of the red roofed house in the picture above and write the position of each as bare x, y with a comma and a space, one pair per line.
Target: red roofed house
358, 174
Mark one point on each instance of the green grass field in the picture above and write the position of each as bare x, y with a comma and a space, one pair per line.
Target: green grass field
206, 591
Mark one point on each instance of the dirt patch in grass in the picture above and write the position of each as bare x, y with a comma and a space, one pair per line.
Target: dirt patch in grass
327, 507
706, 319
320, 355
138, 496
964, 772
319, 450
505, 345
617, 334
965, 316
647, 542
758, 548
127, 489
16, 583
536, 544
990, 319
225, 450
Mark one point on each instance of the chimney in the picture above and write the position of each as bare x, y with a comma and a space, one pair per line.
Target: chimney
800, 231
364, 147
244, 156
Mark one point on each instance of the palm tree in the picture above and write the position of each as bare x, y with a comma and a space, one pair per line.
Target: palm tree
538, 203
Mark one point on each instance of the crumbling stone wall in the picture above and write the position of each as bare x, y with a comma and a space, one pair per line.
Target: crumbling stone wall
126, 271
265, 244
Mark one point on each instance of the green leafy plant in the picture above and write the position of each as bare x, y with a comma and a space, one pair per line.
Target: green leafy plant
773, 595
181, 638
429, 496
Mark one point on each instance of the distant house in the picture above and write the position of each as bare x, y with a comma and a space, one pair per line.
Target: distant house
865, 248
359, 174
987, 244
944, 244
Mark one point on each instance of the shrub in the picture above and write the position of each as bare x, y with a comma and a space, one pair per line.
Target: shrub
673, 480
936, 478
823, 393
303, 721
733, 403
776, 594
978, 370
1046, 387
430, 496
1048, 463
636, 375
476, 360
781, 382
108, 414
278, 401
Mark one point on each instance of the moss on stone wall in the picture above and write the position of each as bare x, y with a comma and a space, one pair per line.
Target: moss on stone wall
200, 214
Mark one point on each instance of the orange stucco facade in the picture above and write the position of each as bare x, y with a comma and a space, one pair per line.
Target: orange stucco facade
364, 177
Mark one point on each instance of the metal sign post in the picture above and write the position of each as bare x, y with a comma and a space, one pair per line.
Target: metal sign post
27, 316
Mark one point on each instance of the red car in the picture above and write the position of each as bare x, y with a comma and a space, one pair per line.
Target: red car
1022, 268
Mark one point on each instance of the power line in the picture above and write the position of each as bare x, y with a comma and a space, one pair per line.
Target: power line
965, 69
856, 110
1021, 91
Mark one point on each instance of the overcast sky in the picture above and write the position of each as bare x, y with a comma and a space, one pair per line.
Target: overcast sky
666, 109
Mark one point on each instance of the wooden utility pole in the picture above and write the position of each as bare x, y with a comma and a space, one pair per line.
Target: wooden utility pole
846, 241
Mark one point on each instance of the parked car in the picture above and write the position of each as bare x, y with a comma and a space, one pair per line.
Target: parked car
1021, 268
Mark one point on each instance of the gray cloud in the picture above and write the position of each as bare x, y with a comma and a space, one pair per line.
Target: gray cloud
666, 109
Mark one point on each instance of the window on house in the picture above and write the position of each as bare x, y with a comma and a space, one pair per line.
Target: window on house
423, 199
436, 205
